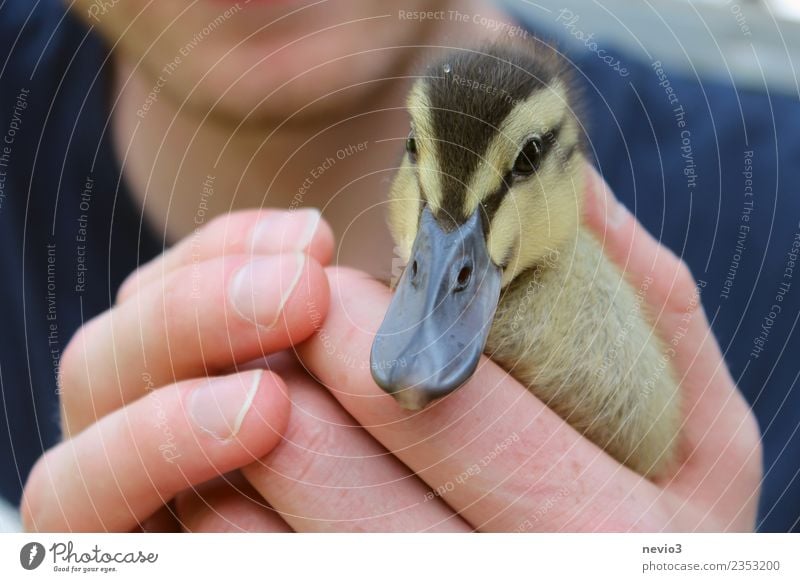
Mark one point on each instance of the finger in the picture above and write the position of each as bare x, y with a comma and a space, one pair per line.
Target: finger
329, 474
122, 469
711, 403
495, 453
257, 232
227, 504
671, 292
231, 310
163, 520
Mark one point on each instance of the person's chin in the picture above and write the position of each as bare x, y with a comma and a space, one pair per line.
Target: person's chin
283, 89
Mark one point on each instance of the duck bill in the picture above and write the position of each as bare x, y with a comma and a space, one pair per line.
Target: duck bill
435, 329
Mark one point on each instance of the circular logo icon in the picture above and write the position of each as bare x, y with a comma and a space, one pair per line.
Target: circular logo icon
31, 555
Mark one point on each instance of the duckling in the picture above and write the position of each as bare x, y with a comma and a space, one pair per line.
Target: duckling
486, 211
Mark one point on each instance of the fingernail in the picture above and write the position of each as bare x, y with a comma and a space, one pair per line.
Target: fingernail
260, 289
285, 231
219, 405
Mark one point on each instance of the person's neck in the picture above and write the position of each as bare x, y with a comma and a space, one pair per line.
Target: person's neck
183, 170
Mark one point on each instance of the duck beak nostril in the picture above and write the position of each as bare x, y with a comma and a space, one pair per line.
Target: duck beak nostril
437, 324
463, 277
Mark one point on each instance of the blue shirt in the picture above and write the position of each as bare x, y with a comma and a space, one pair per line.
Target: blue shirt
69, 232
720, 190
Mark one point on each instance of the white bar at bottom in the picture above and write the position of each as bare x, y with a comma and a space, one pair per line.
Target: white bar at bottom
402, 557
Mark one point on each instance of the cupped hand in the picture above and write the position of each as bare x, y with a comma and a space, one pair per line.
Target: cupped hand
149, 405
490, 456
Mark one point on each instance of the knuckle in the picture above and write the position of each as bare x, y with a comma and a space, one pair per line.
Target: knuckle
169, 322
683, 292
751, 447
304, 461
684, 280
74, 370
70, 365
229, 231
126, 288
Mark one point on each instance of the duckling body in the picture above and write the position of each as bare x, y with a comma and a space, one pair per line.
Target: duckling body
576, 334
487, 208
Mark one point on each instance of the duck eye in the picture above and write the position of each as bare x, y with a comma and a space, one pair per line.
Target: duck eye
529, 158
411, 146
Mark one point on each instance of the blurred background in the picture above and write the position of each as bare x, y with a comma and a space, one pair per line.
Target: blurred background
748, 42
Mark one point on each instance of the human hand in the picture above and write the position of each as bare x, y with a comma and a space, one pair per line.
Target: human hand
498, 459
491, 456
146, 411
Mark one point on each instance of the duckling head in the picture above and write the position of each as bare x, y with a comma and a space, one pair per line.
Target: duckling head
488, 187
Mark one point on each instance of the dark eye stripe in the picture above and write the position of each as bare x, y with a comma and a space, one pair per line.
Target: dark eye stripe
491, 204
550, 137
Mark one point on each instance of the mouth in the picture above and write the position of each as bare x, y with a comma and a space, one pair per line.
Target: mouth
437, 324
